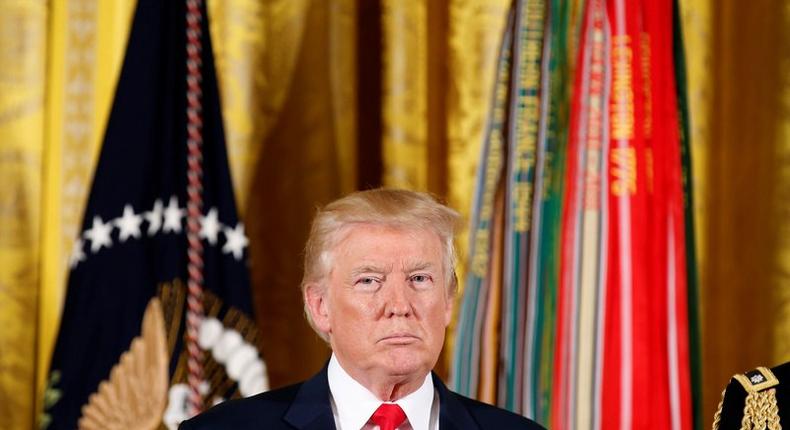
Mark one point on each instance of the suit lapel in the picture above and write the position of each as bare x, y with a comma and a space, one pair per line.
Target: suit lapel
310, 409
453, 415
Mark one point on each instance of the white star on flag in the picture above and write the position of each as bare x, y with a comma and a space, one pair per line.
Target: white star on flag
128, 224
173, 216
154, 218
209, 226
77, 254
99, 234
235, 242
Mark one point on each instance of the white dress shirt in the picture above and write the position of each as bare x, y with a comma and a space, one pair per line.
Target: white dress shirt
353, 404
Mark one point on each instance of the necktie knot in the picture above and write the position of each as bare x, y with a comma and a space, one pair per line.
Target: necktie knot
388, 416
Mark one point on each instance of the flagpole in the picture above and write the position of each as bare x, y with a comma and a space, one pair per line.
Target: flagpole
194, 94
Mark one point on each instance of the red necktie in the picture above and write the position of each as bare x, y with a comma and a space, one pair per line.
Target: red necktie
388, 416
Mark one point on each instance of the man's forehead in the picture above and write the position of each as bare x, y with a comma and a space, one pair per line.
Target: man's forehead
372, 234
359, 245
371, 265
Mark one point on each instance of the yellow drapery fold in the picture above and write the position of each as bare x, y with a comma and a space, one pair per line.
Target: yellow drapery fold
781, 338
256, 46
404, 96
743, 215
23, 33
782, 334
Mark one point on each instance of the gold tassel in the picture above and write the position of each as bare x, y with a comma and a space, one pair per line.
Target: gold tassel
760, 410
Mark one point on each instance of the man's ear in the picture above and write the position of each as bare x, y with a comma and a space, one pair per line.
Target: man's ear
448, 310
317, 305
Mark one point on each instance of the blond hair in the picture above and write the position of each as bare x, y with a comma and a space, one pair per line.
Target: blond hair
382, 206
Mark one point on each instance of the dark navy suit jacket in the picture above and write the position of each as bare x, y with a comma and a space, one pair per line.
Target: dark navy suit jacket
306, 406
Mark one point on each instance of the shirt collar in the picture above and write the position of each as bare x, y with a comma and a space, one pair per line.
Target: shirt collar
355, 403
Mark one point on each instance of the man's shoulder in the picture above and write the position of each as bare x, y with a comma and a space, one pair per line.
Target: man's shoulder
769, 386
760, 379
782, 372
246, 413
488, 416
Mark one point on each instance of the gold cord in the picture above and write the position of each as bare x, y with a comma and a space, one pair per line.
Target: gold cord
761, 411
717, 415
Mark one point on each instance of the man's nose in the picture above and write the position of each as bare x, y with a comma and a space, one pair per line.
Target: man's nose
397, 300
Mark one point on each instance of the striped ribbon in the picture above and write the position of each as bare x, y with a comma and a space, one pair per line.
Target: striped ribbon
547, 204
518, 302
668, 170
194, 112
580, 240
625, 281
583, 238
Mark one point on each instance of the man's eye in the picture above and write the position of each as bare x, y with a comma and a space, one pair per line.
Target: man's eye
366, 281
420, 278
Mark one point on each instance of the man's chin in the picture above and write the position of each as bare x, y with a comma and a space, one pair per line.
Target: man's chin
406, 373
407, 364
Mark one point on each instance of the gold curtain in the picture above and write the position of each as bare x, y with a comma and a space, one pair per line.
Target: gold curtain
405, 94
257, 47
23, 31
47, 150
739, 96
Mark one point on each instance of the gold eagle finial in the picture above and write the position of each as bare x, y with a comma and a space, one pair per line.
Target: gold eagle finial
135, 396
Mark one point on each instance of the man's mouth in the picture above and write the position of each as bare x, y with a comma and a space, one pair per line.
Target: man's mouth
399, 339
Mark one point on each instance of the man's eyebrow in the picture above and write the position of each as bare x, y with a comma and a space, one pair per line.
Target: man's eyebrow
368, 268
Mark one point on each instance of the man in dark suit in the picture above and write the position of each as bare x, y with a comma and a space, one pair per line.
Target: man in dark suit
379, 287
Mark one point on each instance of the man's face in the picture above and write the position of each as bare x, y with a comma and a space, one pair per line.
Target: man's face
384, 303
